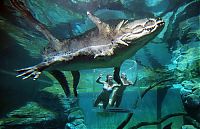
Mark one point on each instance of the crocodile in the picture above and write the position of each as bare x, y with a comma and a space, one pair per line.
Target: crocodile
106, 46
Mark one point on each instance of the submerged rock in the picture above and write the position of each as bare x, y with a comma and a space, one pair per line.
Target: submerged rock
188, 127
78, 114
75, 119
71, 112
193, 100
187, 85
186, 63
184, 92
31, 115
51, 109
188, 30
190, 94
196, 90
32, 109
78, 124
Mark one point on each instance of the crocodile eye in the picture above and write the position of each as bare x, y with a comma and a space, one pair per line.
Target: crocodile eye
158, 19
149, 23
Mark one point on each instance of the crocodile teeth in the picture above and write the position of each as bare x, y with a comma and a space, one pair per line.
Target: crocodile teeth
119, 26
161, 23
122, 42
150, 29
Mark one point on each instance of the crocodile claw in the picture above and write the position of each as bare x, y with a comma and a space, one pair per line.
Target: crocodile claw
30, 72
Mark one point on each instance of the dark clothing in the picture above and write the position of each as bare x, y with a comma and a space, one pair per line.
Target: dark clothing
103, 97
117, 98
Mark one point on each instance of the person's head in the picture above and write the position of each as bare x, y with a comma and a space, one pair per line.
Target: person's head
109, 78
123, 76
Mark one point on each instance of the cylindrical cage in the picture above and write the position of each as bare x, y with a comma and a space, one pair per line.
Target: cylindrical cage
110, 96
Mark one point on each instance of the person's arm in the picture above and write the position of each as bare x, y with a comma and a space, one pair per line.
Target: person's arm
128, 83
115, 85
98, 79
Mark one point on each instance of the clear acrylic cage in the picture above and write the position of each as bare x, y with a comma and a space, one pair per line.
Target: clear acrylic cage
124, 98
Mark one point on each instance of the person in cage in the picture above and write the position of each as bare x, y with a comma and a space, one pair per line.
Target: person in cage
108, 86
117, 96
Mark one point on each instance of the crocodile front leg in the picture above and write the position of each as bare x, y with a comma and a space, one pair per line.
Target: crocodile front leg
104, 29
33, 72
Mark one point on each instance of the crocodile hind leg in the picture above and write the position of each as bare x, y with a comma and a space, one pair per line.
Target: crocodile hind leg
76, 78
32, 72
62, 80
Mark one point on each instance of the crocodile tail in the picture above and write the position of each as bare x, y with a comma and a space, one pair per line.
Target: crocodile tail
20, 6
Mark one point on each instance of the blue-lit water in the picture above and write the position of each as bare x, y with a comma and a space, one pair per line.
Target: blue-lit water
173, 54
148, 110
